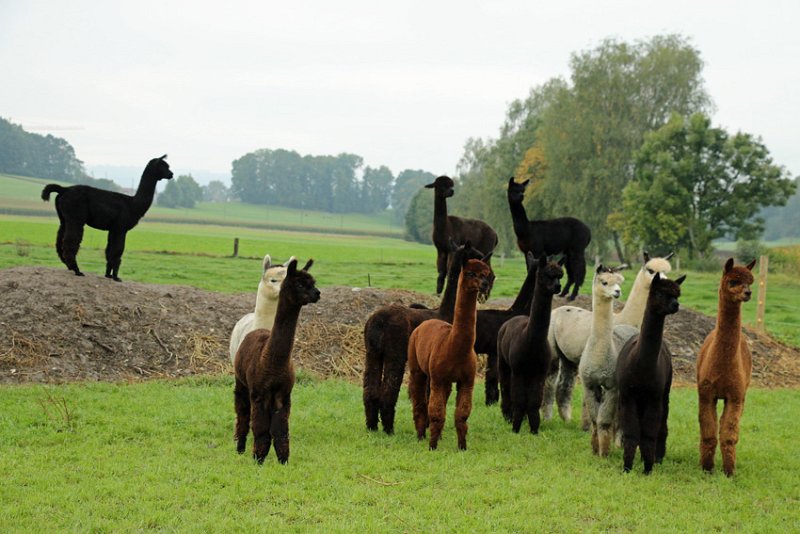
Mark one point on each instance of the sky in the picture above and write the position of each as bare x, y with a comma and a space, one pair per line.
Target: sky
402, 84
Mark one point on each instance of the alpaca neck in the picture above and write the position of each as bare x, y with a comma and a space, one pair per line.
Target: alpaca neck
600, 338
462, 335
519, 218
634, 309
522, 304
539, 318
448, 303
144, 195
440, 221
651, 335
266, 308
729, 323
281, 339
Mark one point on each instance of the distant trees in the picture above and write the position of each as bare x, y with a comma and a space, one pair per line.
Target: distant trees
180, 192
216, 191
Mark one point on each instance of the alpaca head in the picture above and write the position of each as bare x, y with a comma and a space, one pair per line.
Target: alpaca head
736, 281
158, 168
272, 277
607, 282
516, 190
299, 287
549, 274
443, 186
476, 278
664, 295
653, 266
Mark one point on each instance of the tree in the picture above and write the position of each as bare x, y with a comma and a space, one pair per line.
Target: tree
181, 192
694, 183
215, 191
419, 217
407, 185
376, 188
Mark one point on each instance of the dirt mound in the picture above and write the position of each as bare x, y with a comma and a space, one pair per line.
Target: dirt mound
56, 327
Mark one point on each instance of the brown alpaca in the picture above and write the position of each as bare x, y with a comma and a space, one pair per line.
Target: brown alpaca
264, 370
440, 353
447, 229
724, 366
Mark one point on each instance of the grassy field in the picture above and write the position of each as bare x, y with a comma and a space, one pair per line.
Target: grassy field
160, 456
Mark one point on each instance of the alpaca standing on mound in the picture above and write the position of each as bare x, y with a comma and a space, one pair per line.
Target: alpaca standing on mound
266, 303
567, 235
598, 367
457, 229
441, 353
644, 378
488, 323
265, 374
569, 330
524, 354
386, 334
105, 210
724, 366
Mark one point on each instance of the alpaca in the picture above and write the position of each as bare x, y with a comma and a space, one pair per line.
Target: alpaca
524, 354
569, 330
566, 235
78, 205
449, 227
598, 363
724, 366
644, 378
489, 322
264, 370
440, 353
266, 303
386, 334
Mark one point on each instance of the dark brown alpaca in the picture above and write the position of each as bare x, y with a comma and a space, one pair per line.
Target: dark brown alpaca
449, 227
264, 370
724, 366
524, 355
489, 322
440, 353
80, 205
386, 334
644, 379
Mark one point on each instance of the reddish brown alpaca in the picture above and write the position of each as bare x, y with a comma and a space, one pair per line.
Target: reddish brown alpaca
440, 353
264, 370
724, 366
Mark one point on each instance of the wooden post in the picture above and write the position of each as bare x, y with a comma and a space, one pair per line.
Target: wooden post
235, 247
763, 267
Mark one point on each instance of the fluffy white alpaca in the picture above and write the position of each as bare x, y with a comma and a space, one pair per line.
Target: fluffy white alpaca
266, 303
569, 330
599, 360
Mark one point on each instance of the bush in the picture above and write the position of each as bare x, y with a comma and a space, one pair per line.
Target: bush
748, 250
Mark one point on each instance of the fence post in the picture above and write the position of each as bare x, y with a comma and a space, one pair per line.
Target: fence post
235, 247
763, 267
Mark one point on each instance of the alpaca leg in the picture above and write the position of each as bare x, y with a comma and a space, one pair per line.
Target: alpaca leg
729, 433
591, 405
441, 268
504, 372
241, 402
436, 410
463, 409
578, 271
535, 396
417, 392
279, 427
549, 392
393, 370
661, 440
606, 418
651, 418
260, 422
566, 383
71, 242
629, 419
708, 431
570, 277
492, 392
519, 400
114, 249
372, 390
60, 243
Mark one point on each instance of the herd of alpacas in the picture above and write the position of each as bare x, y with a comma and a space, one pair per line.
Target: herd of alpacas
533, 352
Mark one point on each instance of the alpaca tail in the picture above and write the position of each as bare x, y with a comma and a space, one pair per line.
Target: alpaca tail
50, 188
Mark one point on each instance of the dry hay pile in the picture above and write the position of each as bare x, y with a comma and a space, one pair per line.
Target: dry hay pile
57, 327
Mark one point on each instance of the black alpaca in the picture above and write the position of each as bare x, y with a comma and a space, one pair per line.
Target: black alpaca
105, 210
386, 334
449, 227
489, 322
644, 377
524, 353
264, 370
566, 235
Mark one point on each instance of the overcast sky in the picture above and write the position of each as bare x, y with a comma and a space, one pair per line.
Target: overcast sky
402, 85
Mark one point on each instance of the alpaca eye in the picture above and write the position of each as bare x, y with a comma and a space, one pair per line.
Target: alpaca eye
734, 283
273, 281
651, 271
605, 283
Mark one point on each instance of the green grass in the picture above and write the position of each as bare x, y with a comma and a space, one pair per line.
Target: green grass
159, 455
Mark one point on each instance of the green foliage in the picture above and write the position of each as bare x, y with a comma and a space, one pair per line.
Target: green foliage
695, 183
216, 191
419, 217
43, 156
748, 250
406, 186
180, 192
159, 456
782, 222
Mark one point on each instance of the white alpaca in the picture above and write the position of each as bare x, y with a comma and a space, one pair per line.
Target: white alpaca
599, 360
569, 330
266, 303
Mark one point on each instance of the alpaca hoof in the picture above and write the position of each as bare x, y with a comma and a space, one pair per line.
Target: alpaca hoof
78, 273
116, 279
571, 298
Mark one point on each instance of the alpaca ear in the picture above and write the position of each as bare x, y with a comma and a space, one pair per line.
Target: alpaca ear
668, 256
451, 244
530, 261
286, 263
646, 256
657, 277
680, 280
430, 186
163, 157
510, 181
267, 263
308, 264
751, 265
487, 258
599, 269
619, 268
291, 268
562, 261
729, 265
525, 183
